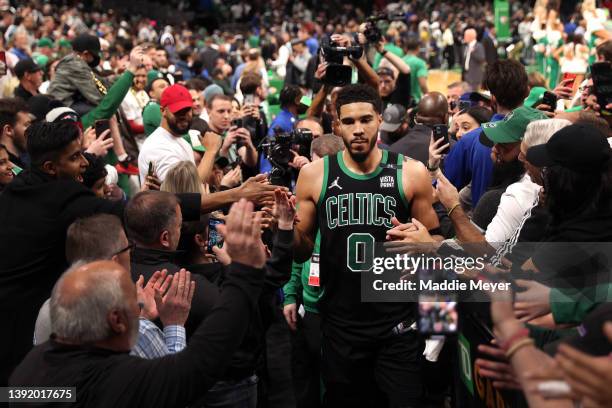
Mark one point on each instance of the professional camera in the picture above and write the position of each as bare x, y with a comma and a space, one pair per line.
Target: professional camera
372, 32
336, 73
278, 152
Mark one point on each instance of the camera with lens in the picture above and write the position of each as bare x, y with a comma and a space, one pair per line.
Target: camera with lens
278, 151
338, 74
372, 32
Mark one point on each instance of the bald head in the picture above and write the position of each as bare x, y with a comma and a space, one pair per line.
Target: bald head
469, 35
433, 109
95, 303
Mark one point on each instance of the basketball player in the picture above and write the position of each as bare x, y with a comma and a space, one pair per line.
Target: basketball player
370, 356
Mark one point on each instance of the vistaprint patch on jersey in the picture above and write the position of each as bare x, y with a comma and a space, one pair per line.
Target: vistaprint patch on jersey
387, 182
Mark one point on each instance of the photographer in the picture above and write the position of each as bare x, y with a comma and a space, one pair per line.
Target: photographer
291, 108
365, 73
254, 118
393, 89
237, 141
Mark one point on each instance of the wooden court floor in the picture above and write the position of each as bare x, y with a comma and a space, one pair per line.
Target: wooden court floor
439, 80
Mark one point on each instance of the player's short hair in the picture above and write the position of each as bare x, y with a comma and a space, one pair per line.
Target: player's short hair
358, 93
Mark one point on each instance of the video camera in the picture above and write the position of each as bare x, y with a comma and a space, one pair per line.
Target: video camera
372, 32
278, 152
336, 73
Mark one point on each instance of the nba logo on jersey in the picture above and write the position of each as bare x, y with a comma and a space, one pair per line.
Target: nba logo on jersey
387, 182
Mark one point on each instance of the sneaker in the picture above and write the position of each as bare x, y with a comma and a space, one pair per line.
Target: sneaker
125, 167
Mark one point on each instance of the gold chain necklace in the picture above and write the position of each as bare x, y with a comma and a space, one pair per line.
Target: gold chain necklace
99, 84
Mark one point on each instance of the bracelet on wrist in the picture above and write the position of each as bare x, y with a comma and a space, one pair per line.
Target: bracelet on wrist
432, 168
517, 345
453, 209
523, 332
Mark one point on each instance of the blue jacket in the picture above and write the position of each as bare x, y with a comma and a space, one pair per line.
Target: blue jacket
470, 160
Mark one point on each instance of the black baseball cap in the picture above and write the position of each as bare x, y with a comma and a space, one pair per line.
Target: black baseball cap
26, 65
86, 42
385, 71
578, 147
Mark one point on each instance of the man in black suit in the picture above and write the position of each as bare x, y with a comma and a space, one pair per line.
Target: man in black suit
489, 42
473, 60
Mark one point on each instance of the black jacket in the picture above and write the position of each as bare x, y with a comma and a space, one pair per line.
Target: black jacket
278, 271
105, 378
35, 212
146, 261
21, 92
414, 144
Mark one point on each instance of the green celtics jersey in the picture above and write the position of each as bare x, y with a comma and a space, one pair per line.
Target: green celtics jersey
354, 212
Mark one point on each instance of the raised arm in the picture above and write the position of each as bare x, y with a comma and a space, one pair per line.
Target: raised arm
392, 58
308, 190
419, 192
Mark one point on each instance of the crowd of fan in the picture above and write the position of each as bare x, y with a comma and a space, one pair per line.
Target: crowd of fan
124, 143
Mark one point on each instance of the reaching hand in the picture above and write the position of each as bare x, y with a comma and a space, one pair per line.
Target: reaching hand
151, 183
298, 161
174, 305
447, 192
258, 190
284, 210
136, 59
563, 91
242, 232
221, 254
533, 302
100, 145
497, 368
290, 313
589, 377
233, 178
89, 135
435, 151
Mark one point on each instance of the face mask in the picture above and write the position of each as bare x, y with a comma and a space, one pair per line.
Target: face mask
302, 109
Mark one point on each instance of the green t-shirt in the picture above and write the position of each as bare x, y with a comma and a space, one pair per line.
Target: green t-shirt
151, 117
391, 48
418, 69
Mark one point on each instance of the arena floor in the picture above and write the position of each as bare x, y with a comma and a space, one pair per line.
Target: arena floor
438, 80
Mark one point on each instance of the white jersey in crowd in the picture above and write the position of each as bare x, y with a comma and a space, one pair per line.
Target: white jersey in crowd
518, 199
133, 104
163, 150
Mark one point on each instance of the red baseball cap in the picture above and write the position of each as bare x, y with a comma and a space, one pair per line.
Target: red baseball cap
176, 98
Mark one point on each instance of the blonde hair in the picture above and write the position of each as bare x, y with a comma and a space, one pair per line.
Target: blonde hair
183, 178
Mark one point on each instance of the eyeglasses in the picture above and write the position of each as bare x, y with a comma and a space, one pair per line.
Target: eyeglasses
129, 248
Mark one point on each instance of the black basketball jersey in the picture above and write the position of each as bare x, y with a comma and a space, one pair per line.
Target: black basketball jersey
354, 212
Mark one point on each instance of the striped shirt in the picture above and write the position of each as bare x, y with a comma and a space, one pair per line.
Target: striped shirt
153, 343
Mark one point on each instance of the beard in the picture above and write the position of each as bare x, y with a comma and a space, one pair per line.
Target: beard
178, 130
360, 156
505, 174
